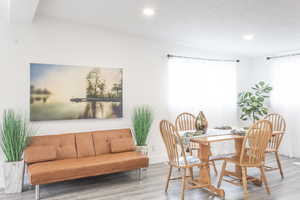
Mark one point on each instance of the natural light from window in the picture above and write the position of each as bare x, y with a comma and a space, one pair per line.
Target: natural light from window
285, 99
209, 86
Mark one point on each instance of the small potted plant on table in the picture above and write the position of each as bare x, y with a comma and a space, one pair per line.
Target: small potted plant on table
14, 137
142, 121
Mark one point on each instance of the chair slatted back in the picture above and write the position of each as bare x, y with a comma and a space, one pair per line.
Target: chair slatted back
255, 143
279, 127
185, 121
172, 142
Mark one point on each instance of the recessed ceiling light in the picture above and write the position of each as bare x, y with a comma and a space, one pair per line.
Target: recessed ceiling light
148, 12
248, 37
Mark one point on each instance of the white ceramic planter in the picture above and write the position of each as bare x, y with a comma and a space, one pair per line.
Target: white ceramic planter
13, 176
142, 149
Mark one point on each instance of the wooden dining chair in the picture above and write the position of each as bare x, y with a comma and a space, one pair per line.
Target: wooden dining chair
278, 127
174, 147
186, 122
252, 154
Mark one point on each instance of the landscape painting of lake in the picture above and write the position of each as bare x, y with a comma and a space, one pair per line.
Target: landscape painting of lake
64, 92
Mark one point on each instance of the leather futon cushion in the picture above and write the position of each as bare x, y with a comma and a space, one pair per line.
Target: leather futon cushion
59, 170
65, 144
122, 145
85, 145
35, 154
101, 143
102, 139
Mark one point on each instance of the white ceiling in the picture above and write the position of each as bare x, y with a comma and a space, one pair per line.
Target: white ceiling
214, 25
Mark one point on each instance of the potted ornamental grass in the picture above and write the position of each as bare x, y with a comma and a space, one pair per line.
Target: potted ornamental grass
142, 121
14, 137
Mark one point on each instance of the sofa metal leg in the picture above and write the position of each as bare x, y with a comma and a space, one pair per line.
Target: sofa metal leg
37, 192
140, 175
31, 187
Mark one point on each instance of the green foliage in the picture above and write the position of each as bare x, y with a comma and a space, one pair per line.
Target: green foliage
14, 135
142, 121
117, 88
252, 103
97, 87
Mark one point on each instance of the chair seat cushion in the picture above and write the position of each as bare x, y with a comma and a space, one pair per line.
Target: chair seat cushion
191, 160
59, 170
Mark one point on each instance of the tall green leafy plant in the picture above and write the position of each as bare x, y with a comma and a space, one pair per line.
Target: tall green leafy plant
142, 121
252, 102
14, 135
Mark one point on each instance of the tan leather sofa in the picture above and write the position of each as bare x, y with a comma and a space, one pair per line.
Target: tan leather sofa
54, 158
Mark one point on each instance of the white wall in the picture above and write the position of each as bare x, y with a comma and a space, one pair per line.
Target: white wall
57, 42
255, 70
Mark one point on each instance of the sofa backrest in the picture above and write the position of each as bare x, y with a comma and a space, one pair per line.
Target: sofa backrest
64, 144
102, 139
84, 145
75, 145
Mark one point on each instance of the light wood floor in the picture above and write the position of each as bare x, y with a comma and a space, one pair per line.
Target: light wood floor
124, 186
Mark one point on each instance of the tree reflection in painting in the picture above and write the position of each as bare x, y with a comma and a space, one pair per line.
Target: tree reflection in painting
61, 92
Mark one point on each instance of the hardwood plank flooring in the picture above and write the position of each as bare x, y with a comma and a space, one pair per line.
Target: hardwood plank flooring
125, 186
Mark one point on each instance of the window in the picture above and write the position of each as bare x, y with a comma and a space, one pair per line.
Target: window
285, 99
209, 86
